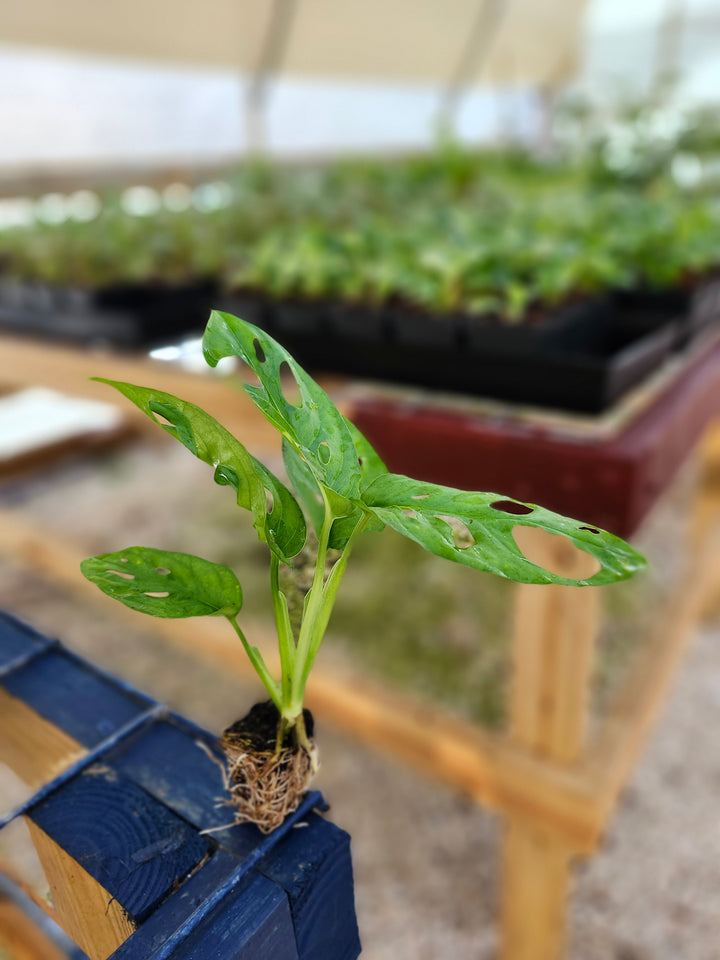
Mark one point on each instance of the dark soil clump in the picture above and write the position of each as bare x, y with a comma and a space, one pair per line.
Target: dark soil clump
266, 782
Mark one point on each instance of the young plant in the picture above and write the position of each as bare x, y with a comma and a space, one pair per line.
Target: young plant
344, 489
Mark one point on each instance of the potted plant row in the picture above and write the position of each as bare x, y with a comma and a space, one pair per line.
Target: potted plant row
441, 273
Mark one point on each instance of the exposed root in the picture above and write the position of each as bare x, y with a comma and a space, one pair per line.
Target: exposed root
267, 767
264, 788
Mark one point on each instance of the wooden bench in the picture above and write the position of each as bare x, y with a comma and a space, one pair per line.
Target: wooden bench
121, 791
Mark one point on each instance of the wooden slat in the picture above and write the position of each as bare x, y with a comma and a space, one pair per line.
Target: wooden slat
35, 749
553, 647
536, 885
111, 854
31, 363
83, 908
20, 939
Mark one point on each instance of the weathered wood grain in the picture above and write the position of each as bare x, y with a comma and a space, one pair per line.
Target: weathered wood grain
130, 843
83, 907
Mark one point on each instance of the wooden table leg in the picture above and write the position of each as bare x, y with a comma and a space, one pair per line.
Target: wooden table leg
554, 639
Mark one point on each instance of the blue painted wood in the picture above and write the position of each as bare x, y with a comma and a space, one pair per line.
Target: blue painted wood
262, 908
313, 865
128, 841
133, 819
19, 643
70, 772
252, 924
167, 761
232, 883
74, 696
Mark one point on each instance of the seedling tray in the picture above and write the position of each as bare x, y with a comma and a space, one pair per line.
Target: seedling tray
126, 316
583, 360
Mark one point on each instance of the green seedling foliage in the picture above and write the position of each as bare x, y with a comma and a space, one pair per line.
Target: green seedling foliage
306, 487
345, 489
166, 584
311, 424
476, 529
282, 527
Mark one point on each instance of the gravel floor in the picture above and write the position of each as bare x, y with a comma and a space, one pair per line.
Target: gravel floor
425, 858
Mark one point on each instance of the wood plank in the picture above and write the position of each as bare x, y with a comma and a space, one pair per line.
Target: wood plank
536, 871
73, 696
69, 370
253, 923
20, 939
553, 650
18, 642
313, 866
82, 907
130, 843
35, 749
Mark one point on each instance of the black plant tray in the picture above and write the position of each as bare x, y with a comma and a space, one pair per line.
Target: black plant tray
127, 316
582, 360
691, 310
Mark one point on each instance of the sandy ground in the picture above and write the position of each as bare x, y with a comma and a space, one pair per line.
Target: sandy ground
425, 858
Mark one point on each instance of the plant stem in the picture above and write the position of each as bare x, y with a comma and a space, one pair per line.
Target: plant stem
313, 601
271, 685
286, 639
316, 615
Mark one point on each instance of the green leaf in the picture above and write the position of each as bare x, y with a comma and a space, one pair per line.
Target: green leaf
308, 492
371, 467
312, 424
165, 584
476, 529
282, 527
304, 484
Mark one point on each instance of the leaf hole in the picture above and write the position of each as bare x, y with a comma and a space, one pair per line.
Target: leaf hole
160, 594
123, 574
159, 417
461, 533
512, 506
269, 501
555, 553
590, 529
289, 385
259, 352
324, 453
420, 496
123, 559
360, 461
409, 513
163, 571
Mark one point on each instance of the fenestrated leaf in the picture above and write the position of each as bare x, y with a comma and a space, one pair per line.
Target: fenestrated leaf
312, 424
371, 467
304, 484
308, 492
478, 530
283, 527
165, 584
